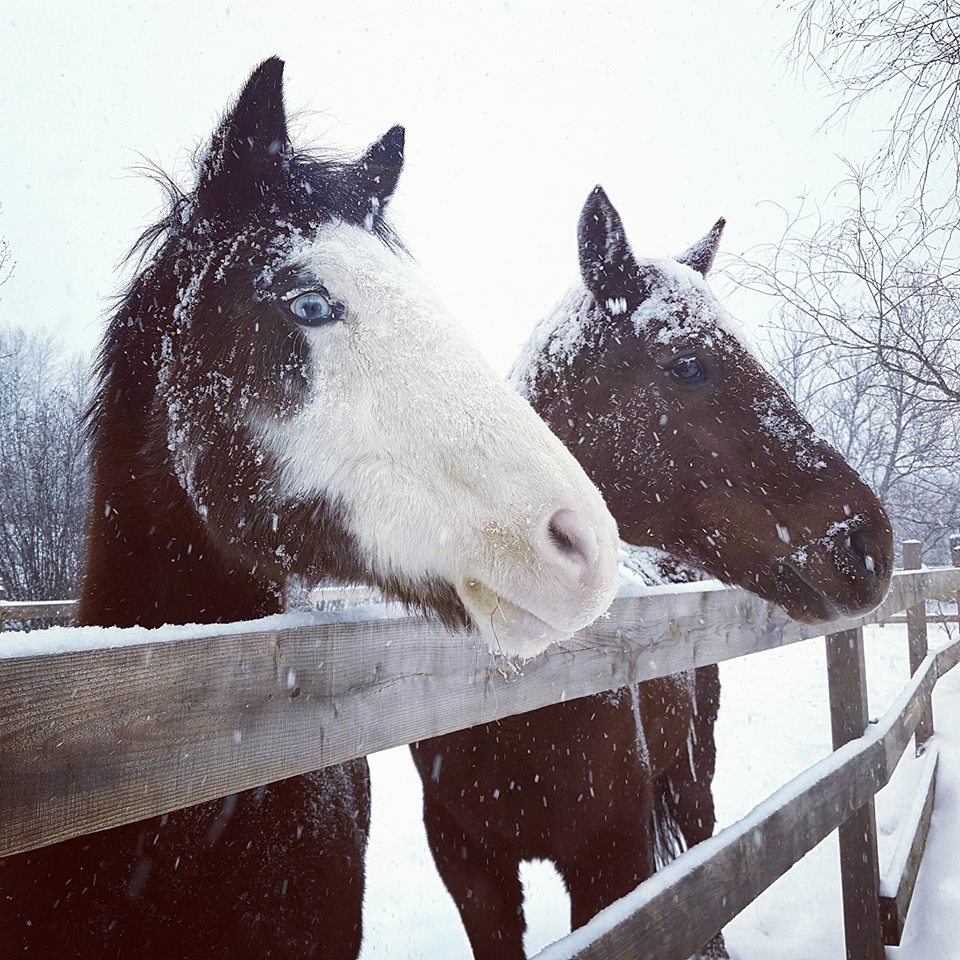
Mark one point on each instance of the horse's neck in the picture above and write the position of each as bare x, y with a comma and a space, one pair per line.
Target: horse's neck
150, 561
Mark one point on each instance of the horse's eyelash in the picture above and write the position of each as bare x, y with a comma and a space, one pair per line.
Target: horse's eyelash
298, 291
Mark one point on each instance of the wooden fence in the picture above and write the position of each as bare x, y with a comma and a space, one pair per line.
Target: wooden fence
16, 611
100, 727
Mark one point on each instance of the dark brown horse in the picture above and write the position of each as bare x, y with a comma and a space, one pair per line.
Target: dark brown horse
281, 394
699, 453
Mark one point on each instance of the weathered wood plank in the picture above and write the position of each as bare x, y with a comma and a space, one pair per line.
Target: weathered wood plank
900, 879
37, 610
860, 884
99, 737
669, 916
917, 636
912, 554
931, 618
859, 859
847, 686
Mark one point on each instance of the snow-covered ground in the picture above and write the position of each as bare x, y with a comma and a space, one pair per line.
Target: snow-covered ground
773, 724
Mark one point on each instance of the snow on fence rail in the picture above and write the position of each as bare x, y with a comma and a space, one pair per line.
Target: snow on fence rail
16, 611
100, 727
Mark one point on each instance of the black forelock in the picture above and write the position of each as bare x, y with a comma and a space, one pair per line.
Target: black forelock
314, 188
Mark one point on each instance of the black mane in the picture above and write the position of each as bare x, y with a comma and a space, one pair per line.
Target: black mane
312, 188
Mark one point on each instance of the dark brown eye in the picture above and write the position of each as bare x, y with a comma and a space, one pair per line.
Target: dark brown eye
687, 370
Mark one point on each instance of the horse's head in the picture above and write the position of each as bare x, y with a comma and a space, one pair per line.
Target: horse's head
324, 416
696, 448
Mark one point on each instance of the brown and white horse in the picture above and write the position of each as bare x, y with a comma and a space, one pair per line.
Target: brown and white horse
701, 454
280, 393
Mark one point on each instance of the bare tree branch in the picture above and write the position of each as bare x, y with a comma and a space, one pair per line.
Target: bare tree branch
907, 51
6, 260
890, 293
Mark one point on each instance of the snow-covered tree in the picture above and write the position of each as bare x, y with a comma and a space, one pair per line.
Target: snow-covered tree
44, 471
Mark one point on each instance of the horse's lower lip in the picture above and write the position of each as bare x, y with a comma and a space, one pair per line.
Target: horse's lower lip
514, 628
801, 600
505, 608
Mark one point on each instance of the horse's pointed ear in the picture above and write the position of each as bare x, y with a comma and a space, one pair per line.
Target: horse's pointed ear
701, 255
249, 147
376, 173
606, 260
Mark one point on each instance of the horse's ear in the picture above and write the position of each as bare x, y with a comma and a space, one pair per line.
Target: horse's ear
376, 173
249, 147
606, 261
701, 255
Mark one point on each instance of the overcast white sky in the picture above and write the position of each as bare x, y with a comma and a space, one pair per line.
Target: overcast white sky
683, 110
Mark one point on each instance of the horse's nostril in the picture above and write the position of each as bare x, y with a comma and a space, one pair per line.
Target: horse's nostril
570, 538
867, 553
560, 539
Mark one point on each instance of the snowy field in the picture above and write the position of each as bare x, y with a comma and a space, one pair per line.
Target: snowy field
774, 723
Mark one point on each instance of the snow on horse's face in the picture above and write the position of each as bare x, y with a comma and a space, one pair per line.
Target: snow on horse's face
696, 448
327, 417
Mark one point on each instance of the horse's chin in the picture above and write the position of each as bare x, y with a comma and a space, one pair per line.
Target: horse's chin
782, 585
801, 600
808, 603
812, 614
508, 628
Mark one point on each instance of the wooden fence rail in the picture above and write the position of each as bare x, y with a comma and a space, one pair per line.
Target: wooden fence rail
36, 610
100, 727
686, 902
17, 611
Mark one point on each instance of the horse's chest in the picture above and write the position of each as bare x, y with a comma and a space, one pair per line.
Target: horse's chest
531, 777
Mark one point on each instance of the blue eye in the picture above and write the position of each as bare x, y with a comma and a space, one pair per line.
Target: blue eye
687, 370
313, 309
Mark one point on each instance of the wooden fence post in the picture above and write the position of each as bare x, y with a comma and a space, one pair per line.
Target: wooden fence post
954, 541
917, 637
859, 860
